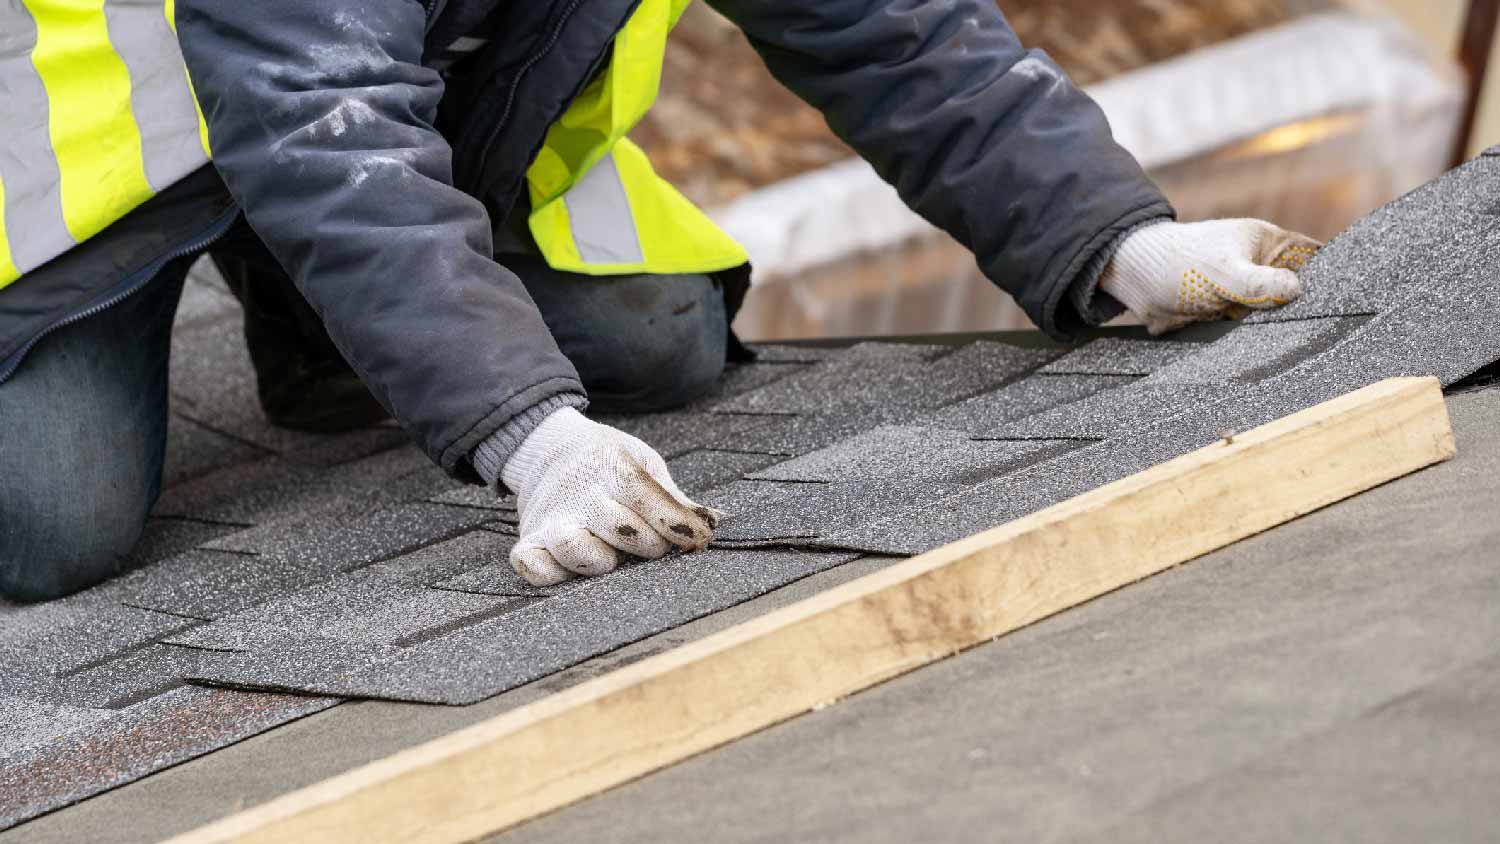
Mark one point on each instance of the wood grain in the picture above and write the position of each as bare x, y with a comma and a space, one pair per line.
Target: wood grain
654, 713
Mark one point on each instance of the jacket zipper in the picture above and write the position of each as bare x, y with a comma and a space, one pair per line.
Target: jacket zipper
515, 85
143, 277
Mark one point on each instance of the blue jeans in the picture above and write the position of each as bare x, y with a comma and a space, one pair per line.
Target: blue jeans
83, 421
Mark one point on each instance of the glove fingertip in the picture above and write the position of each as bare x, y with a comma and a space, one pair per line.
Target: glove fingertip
536, 566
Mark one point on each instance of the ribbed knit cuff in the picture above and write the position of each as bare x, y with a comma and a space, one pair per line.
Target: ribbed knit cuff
492, 453
1094, 306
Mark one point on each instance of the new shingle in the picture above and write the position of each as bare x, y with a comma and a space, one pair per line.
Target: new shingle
537, 639
1108, 414
364, 607
1255, 351
677, 433
359, 536
1034, 395
863, 375
1118, 356
210, 584
699, 471
436, 563
26, 723
53, 638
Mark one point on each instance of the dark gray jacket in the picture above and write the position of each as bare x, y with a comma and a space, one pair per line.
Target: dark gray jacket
375, 187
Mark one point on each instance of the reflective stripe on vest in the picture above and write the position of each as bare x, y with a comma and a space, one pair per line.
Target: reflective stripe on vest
98, 116
597, 206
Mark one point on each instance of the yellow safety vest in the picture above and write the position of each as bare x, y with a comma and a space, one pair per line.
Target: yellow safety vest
597, 206
98, 116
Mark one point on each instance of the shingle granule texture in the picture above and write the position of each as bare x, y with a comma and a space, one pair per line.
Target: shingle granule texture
350, 566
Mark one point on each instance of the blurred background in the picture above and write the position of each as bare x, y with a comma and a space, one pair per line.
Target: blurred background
1310, 113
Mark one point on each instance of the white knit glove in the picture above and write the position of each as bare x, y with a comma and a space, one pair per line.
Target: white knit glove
586, 491
1171, 274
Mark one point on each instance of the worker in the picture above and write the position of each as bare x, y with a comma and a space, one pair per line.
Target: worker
431, 209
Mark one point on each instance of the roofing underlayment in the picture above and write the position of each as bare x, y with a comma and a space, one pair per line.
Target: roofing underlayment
283, 573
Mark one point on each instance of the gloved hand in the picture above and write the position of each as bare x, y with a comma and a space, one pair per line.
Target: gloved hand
1171, 274
587, 491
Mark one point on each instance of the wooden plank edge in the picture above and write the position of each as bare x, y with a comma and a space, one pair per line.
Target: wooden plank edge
578, 742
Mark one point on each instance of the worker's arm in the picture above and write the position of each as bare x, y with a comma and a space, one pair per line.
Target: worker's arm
985, 139
320, 119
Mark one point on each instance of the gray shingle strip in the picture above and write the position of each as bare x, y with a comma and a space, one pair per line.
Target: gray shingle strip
129, 744
487, 658
903, 452
861, 375
1031, 396
739, 378
885, 471
364, 607
53, 638
134, 677
212, 584
333, 449
762, 511
1448, 334
1255, 351
791, 435
357, 536
1371, 267
246, 493
469, 495
194, 450
166, 538
442, 561
503, 528
1119, 356
497, 577
275, 489
699, 471
26, 723
219, 392
893, 388
676, 433
1109, 414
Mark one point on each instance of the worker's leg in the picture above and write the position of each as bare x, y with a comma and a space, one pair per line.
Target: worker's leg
640, 343
303, 381
83, 425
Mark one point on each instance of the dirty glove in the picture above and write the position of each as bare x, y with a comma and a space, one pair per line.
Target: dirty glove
1170, 274
585, 492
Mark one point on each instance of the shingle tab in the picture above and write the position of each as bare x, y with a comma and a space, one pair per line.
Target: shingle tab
699, 471
364, 607
210, 584
487, 658
1034, 395
358, 537
1118, 356
26, 723
444, 560
1110, 414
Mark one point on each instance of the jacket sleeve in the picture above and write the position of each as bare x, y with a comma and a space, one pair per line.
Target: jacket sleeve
320, 120
990, 142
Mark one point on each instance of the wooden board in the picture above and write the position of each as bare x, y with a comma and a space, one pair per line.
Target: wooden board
664, 709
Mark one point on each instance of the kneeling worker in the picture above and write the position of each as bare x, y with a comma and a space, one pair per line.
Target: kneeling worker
441, 194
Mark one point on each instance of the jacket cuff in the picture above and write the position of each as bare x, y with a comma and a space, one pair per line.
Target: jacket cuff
492, 453
1094, 306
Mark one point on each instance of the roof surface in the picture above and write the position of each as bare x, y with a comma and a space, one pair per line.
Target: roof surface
284, 573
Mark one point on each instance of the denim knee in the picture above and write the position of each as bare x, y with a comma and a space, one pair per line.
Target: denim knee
68, 549
664, 360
